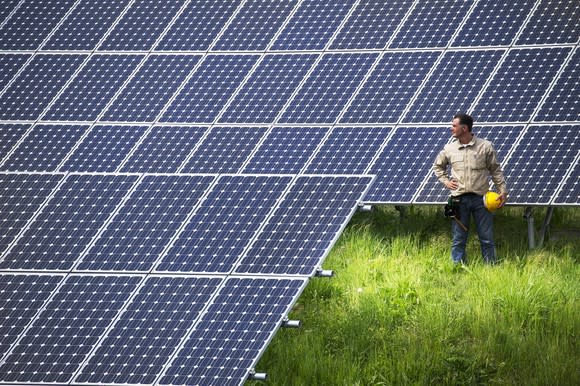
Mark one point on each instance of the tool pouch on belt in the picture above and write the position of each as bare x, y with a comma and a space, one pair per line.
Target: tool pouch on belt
452, 206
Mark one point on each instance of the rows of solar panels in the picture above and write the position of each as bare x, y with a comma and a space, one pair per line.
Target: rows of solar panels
173, 173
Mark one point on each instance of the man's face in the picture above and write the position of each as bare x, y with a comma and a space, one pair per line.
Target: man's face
457, 129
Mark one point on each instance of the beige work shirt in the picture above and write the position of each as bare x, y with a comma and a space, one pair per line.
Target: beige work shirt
471, 165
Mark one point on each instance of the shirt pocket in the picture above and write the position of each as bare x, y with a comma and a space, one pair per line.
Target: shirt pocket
457, 162
478, 161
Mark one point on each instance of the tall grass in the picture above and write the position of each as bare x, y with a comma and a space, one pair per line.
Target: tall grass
398, 313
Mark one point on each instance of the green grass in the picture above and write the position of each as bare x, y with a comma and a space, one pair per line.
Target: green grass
398, 313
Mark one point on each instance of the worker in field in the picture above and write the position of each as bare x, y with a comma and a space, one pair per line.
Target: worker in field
473, 160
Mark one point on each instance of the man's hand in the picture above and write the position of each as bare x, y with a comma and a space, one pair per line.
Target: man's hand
452, 184
502, 199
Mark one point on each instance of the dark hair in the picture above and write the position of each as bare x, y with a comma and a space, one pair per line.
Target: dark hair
464, 119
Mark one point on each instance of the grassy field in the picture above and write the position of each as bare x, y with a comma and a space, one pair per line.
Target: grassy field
398, 313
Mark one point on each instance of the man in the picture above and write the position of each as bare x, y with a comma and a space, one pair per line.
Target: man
472, 161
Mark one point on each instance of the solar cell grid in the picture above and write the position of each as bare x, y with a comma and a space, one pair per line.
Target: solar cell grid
268, 88
569, 193
404, 162
21, 195
144, 225
21, 297
313, 24
8, 6
519, 84
554, 21
86, 25
103, 148
539, 163
224, 224
10, 134
390, 87
285, 150
48, 352
233, 332
199, 24
44, 148
328, 88
142, 343
255, 25
209, 88
296, 237
141, 25
164, 150
32, 23
453, 86
150, 89
67, 223
9, 66
88, 93
224, 150
348, 150
431, 24
563, 102
371, 24
493, 23
36, 85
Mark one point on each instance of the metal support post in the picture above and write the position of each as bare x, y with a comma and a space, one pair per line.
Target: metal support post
531, 230
545, 225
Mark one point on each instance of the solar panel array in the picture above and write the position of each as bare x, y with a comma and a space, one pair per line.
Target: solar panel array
173, 173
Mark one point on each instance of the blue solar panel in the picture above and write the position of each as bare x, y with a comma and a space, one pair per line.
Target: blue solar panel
453, 85
285, 150
8, 6
199, 24
272, 83
404, 163
227, 342
494, 23
224, 224
21, 195
554, 21
204, 95
431, 23
10, 134
348, 150
44, 148
150, 89
103, 149
36, 85
328, 88
304, 226
313, 24
21, 297
96, 83
86, 25
570, 190
32, 23
141, 26
519, 84
563, 102
224, 150
68, 222
135, 237
142, 343
390, 87
255, 25
502, 137
371, 24
539, 163
58, 341
164, 149
9, 66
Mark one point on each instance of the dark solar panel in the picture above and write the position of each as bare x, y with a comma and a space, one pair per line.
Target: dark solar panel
10, 134
553, 21
10, 64
569, 192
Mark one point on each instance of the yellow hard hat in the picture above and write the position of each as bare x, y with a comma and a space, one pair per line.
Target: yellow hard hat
491, 201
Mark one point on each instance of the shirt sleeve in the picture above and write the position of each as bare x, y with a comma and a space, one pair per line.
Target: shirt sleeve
496, 172
440, 167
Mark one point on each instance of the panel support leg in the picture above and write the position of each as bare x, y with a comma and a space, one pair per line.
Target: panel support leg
402, 211
545, 226
531, 231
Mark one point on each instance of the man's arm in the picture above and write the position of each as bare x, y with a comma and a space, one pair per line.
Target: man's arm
497, 176
440, 171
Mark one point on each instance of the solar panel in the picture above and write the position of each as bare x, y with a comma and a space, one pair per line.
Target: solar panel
554, 21
8, 6
9, 66
328, 88
44, 148
35, 86
390, 87
151, 87
569, 192
518, 86
270, 85
10, 134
